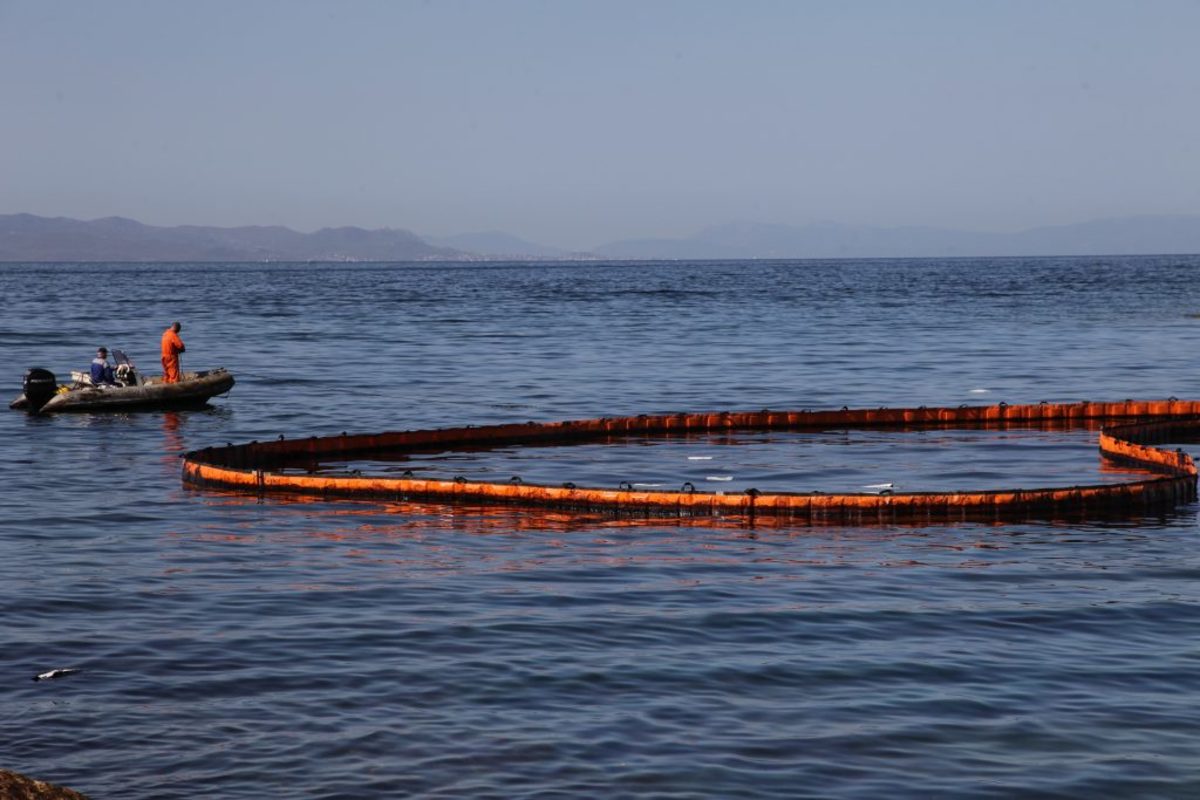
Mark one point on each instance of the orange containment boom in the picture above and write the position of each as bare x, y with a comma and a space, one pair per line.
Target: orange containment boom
1131, 430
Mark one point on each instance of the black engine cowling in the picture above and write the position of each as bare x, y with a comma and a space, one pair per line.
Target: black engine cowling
39, 386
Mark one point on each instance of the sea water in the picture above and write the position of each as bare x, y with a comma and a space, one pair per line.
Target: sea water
231, 647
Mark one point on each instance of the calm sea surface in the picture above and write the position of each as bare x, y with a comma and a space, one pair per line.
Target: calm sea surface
232, 648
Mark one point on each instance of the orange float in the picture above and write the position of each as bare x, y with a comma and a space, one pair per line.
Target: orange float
1131, 429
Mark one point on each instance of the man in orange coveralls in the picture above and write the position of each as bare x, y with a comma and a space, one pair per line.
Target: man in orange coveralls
172, 346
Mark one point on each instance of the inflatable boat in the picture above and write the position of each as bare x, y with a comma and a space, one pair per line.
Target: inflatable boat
42, 394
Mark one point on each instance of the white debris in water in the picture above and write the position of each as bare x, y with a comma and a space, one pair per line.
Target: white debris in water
55, 673
699, 458
719, 478
880, 486
979, 391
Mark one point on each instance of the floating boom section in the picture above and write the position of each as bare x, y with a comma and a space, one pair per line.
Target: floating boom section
1133, 428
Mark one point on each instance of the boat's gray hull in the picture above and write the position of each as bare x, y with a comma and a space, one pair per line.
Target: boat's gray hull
195, 389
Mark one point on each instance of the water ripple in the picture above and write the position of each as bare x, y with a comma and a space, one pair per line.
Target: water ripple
237, 648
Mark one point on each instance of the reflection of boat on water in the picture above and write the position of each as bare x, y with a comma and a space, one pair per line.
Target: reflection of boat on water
42, 394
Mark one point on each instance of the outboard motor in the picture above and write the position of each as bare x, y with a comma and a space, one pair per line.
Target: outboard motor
39, 385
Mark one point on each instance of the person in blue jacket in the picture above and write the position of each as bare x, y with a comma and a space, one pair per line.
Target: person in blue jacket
102, 371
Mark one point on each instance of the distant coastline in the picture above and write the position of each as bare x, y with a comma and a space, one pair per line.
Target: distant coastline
29, 238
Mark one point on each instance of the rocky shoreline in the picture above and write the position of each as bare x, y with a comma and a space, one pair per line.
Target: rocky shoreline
14, 786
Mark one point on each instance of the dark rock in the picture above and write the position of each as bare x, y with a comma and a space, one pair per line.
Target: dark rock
18, 787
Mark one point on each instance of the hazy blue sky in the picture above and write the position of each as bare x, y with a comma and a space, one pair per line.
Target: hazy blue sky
576, 123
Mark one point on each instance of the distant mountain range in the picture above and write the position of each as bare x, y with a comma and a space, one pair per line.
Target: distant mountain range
25, 237
1124, 236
